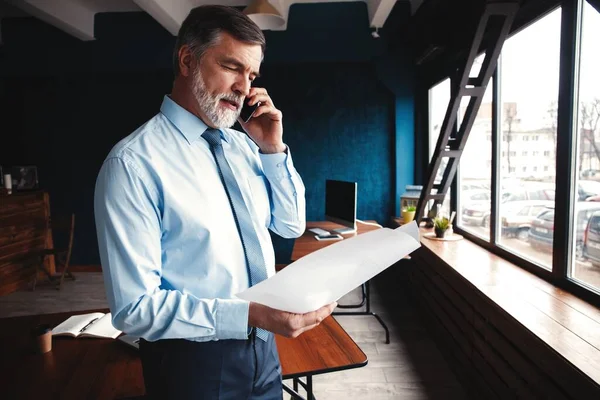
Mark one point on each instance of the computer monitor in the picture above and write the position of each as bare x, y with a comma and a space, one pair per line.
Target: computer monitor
340, 204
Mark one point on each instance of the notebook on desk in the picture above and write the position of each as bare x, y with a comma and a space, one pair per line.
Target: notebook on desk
96, 324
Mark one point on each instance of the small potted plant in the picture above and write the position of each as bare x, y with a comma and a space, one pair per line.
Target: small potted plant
440, 226
408, 214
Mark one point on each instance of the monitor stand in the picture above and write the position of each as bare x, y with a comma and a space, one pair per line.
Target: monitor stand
344, 231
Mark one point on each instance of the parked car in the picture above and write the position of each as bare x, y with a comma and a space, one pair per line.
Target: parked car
587, 189
477, 214
475, 185
541, 233
591, 174
527, 193
474, 198
517, 216
591, 240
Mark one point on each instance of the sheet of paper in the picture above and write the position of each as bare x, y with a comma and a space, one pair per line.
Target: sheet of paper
324, 276
102, 328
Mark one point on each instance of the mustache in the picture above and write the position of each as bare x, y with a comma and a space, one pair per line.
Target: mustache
231, 97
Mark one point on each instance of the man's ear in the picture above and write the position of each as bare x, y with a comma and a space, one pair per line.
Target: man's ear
186, 60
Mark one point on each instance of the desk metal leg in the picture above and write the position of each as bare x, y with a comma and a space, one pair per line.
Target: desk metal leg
306, 386
367, 298
295, 395
309, 388
362, 303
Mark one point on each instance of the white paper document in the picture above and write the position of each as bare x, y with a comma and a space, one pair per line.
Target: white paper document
324, 276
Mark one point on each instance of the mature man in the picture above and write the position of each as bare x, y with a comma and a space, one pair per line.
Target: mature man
183, 206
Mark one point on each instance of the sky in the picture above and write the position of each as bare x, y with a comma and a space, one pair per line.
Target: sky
530, 69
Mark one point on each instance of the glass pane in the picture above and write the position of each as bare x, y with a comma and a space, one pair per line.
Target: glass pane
439, 97
477, 64
529, 96
586, 232
475, 168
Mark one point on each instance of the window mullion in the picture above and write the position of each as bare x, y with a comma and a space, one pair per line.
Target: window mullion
494, 186
565, 142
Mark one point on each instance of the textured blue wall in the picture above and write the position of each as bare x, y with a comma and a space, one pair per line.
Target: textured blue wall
347, 105
396, 72
339, 125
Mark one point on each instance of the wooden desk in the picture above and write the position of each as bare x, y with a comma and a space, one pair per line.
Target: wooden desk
326, 348
307, 243
109, 369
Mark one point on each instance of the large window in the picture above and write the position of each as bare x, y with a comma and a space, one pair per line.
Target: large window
585, 229
529, 97
519, 213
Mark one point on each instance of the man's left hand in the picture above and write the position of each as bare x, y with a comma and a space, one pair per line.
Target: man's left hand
266, 125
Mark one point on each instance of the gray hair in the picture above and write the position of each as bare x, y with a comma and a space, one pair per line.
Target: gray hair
203, 26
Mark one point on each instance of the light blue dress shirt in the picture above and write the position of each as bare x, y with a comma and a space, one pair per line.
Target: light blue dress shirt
171, 254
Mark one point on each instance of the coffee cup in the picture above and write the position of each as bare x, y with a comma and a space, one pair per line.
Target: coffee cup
42, 338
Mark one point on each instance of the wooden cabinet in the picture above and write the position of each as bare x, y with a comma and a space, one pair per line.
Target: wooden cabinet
24, 232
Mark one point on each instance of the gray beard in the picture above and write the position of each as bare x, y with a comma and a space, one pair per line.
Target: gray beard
209, 104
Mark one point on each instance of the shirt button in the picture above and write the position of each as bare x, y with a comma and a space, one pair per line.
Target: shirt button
279, 165
294, 194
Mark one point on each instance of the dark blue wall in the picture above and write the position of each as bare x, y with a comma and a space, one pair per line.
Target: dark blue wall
347, 105
334, 133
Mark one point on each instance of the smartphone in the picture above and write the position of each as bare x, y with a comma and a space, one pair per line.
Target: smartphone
248, 111
328, 237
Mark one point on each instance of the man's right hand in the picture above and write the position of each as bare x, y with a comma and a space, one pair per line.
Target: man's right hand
284, 323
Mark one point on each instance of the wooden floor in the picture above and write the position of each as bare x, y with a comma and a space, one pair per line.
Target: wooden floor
411, 367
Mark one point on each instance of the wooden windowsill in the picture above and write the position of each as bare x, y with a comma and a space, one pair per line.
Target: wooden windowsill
561, 320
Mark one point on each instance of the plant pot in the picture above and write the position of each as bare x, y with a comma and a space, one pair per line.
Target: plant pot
408, 216
440, 233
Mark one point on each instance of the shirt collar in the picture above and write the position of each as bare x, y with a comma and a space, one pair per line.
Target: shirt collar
188, 124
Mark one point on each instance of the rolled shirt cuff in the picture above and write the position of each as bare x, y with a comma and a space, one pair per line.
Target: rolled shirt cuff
232, 319
277, 165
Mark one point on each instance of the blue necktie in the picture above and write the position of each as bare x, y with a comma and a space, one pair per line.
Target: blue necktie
243, 221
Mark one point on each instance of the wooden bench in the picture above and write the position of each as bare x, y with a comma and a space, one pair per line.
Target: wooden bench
509, 333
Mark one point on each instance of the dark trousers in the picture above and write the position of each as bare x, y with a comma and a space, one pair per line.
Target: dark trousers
224, 369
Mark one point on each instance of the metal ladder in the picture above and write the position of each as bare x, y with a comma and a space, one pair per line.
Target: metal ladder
498, 18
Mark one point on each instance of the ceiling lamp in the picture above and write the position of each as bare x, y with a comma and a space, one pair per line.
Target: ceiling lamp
264, 15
